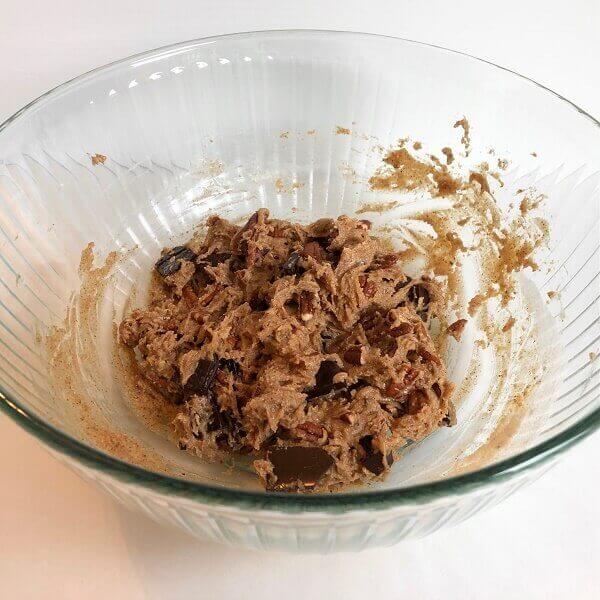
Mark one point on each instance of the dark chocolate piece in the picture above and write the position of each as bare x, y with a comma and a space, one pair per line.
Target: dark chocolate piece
292, 464
373, 459
231, 365
290, 266
202, 380
170, 263
324, 384
216, 258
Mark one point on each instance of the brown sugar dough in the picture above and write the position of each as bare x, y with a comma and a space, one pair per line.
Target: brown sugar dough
305, 346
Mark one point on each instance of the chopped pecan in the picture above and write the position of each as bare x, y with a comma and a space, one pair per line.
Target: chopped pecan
311, 431
305, 306
315, 250
401, 329
355, 355
456, 329
386, 261
394, 389
416, 401
368, 287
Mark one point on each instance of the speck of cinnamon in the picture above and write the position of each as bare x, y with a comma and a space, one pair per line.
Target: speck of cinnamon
342, 130
447, 152
534, 154
465, 140
98, 159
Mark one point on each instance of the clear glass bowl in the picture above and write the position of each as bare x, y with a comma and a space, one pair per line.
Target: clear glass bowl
211, 125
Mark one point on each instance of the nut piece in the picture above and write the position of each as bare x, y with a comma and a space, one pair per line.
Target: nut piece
355, 355
311, 431
401, 329
305, 306
315, 250
368, 287
456, 329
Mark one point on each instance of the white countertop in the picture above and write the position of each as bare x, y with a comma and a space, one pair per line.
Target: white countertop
61, 538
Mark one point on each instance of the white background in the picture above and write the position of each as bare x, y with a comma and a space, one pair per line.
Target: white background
59, 538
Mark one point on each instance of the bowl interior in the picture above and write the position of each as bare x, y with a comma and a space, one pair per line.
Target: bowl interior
295, 122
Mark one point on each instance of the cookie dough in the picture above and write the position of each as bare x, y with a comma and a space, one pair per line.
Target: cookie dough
306, 347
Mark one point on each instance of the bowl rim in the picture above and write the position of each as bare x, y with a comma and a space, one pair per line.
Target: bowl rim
276, 501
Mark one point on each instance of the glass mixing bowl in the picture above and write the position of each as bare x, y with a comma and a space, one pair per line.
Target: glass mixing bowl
133, 155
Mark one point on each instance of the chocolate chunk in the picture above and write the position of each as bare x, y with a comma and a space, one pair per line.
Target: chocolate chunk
216, 258
170, 263
201, 381
373, 459
294, 464
324, 380
231, 365
290, 266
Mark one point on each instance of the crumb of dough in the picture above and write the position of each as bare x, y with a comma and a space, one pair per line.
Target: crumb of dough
502, 164
552, 294
306, 347
311, 132
98, 159
447, 152
465, 140
534, 154
528, 204
593, 356
279, 185
417, 146
342, 130
481, 179
284, 135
